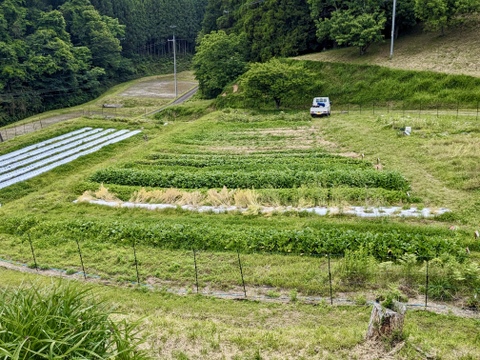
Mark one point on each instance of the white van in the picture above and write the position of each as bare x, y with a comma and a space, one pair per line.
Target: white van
320, 107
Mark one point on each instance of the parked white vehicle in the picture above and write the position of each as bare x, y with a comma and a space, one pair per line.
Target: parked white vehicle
320, 107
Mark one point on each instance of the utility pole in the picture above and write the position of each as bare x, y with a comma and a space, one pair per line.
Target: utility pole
174, 60
393, 28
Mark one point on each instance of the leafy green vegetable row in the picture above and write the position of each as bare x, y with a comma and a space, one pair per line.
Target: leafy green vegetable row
251, 164
256, 179
230, 237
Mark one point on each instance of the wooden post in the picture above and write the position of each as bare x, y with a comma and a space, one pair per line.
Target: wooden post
81, 259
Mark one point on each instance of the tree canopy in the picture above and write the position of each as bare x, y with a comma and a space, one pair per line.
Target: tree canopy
220, 59
274, 81
61, 52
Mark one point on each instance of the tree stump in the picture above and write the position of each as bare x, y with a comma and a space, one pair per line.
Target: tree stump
386, 322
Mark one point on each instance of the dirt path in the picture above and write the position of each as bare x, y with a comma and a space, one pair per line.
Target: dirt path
238, 293
18, 130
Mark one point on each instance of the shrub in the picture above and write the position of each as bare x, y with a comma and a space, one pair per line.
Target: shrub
357, 267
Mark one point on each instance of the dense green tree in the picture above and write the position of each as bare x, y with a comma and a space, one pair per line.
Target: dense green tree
350, 23
219, 60
348, 28
439, 14
277, 28
15, 16
274, 81
213, 11
54, 20
433, 13
100, 34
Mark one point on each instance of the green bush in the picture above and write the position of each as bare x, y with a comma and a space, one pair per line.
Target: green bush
62, 322
187, 111
357, 267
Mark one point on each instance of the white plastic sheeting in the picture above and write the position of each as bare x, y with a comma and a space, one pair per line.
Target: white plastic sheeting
47, 151
47, 155
43, 143
360, 211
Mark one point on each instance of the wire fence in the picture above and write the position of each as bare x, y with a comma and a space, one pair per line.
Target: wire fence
335, 274
428, 109
457, 111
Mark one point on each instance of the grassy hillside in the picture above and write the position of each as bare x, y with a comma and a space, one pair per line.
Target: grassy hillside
455, 53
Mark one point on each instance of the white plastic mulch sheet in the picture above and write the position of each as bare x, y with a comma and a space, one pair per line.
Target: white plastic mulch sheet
39, 158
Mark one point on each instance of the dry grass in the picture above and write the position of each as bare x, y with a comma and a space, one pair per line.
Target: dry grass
245, 198
101, 194
195, 198
457, 52
218, 198
171, 196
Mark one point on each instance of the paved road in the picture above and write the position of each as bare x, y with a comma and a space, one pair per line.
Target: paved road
177, 101
12, 132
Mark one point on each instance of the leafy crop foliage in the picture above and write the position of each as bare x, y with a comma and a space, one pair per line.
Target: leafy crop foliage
281, 171
212, 234
252, 179
61, 322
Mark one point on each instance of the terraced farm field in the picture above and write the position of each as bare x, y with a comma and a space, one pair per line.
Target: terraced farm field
285, 161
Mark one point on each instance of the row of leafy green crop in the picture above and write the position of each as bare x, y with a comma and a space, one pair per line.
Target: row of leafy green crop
259, 179
204, 236
246, 167
253, 162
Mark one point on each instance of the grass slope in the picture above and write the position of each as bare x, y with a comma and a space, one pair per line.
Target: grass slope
455, 53
193, 327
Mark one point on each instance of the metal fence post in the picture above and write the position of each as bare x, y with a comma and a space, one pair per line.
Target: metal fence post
196, 270
33, 252
426, 286
241, 273
330, 280
81, 259
136, 262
